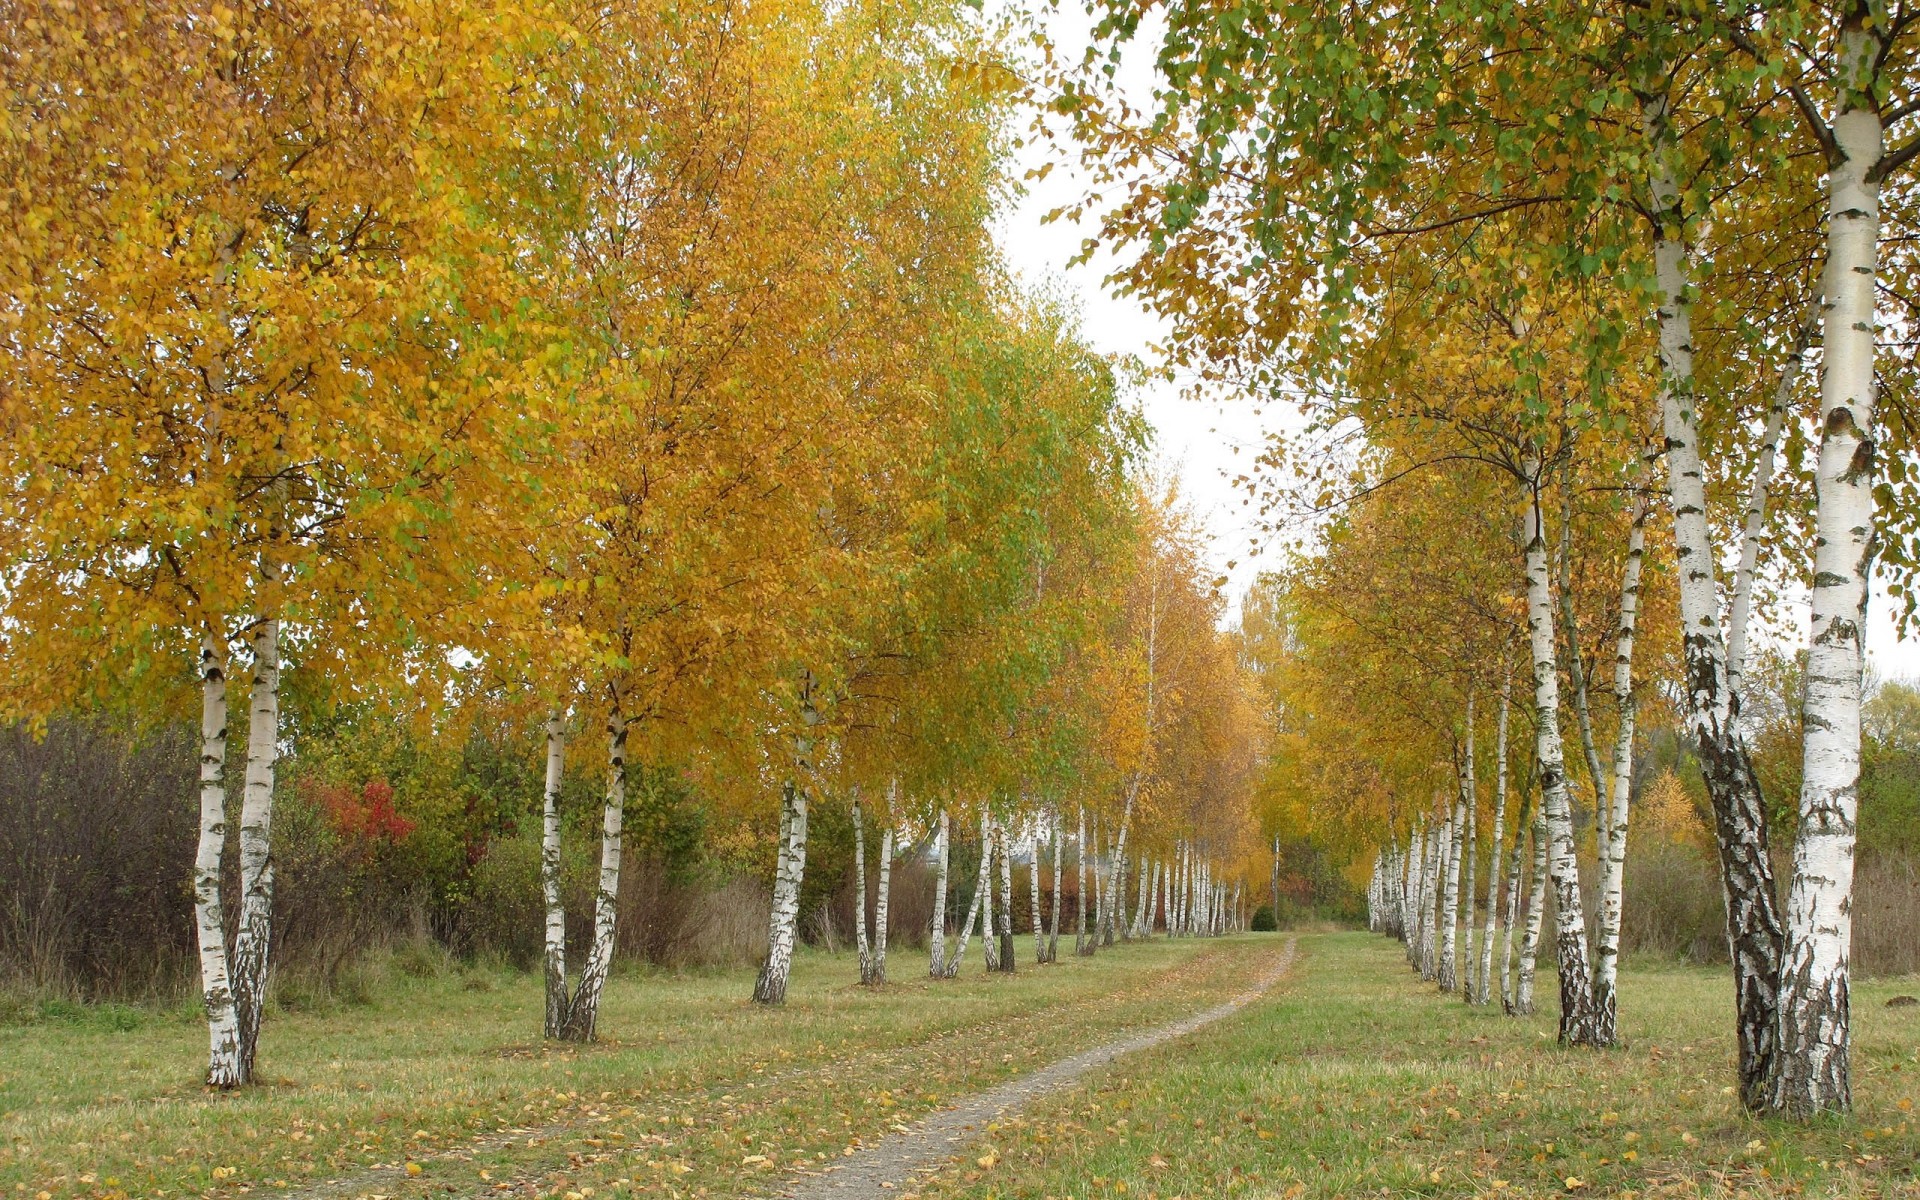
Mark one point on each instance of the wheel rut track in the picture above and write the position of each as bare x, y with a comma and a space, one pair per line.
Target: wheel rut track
888, 1167
378, 1181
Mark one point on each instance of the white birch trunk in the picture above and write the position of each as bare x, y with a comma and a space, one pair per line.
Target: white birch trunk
1145, 903
974, 906
1080, 945
1008, 958
989, 929
1491, 931
1536, 916
1613, 857
1059, 857
1575, 967
558, 1001
1813, 1073
861, 948
784, 920
1470, 851
1577, 677
1033, 878
1416, 860
584, 1014
1450, 895
1510, 999
1755, 524
1430, 900
224, 1068
880, 907
253, 940
1711, 705
937, 936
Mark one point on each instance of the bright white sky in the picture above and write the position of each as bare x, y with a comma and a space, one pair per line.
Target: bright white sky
1206, 443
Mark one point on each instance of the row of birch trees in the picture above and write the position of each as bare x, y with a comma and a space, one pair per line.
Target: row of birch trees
641, 373
1678, 232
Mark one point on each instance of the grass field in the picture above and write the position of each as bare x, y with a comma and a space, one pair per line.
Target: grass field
442, 1083
1354, 1079
1350, 1079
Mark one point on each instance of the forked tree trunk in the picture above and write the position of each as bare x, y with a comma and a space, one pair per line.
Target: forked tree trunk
584, 1013
558, 1000
224, 1066
1711, 706
254, 939
937, 936
1102, 867
1813, 1073
1575, 965
980, 884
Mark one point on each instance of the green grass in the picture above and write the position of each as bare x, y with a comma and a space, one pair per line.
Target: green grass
1350, 1079
694, 1091
1355, 1079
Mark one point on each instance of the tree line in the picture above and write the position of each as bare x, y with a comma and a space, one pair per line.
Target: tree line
1623, 278
643, 374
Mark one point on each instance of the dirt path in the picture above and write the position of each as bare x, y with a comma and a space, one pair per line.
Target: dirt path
886, 1168
378, 1181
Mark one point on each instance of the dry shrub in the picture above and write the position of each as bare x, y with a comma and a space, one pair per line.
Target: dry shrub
1673, 906
1886, 915
96, 837
691, 922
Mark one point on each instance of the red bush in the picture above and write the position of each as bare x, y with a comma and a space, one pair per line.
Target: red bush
369, 817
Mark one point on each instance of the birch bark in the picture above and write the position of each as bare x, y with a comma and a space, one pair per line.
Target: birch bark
1812, 1074
1494, 844
1509, 999
1080, 945
1144, 908
1033, 878
1008, 958
860, 893
1575, 967
1470, 850
1711, 705
224, 1069
558, 1000
253, 939
981, 883
989, 930
1450, 899
1536, 915
1059, 851
937, 936
880, 908
1613, 848
584, 1013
